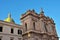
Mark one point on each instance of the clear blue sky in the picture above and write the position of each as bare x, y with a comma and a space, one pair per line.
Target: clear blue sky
18, 7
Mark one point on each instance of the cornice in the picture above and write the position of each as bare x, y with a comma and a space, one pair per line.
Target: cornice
32, 14
10, 24
1, 33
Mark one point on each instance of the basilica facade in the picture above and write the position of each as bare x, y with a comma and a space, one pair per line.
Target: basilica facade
34, 27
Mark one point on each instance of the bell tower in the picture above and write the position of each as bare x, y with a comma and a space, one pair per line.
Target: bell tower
37, 26
29, 21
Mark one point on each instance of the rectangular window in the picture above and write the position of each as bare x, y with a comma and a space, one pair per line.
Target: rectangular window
19, 32
11, 30
19, 38
26, 26
34, 25
11, 38
0, 29
0, 38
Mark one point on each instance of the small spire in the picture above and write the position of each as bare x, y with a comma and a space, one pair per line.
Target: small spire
9, 15
29, 10
52, 19
42, 10
33, 10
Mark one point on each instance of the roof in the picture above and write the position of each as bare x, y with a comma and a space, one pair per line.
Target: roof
9, 19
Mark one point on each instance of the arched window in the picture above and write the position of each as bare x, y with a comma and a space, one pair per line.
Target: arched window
19, 32
50, 28
12, 30
26, 26
45, 27
34, 25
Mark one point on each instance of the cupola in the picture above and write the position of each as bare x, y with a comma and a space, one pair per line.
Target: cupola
9, 19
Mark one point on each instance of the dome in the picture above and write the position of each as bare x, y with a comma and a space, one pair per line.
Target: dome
9, 19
